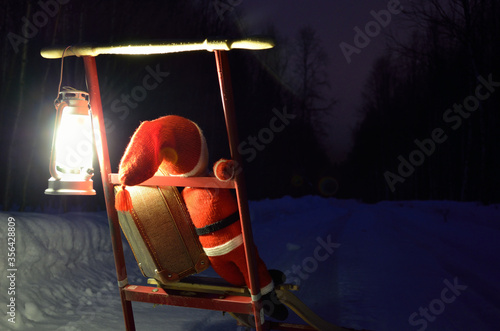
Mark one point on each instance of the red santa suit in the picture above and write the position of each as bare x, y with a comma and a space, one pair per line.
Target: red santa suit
214, 213
177, 146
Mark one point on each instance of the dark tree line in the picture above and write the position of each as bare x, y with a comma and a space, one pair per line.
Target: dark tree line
430, 128
265, 87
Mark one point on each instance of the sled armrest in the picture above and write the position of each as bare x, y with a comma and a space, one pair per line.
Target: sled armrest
205, 182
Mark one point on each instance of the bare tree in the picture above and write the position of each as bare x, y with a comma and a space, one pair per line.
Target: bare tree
309, 65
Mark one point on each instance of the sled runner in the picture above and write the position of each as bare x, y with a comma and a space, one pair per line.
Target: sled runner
194, 284
240, 302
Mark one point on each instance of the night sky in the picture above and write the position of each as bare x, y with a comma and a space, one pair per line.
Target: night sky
334, 22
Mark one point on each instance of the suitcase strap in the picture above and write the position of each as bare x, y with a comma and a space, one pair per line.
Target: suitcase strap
219, 225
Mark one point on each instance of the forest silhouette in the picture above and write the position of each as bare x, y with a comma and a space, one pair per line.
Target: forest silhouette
428, 119
430, 109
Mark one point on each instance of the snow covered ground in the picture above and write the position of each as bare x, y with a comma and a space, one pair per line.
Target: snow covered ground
388, 266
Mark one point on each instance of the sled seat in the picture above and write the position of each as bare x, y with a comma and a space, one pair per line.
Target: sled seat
210, 301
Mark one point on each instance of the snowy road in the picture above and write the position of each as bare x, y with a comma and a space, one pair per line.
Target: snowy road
388, 266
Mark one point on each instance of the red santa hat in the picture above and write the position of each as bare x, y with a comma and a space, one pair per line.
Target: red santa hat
171, 143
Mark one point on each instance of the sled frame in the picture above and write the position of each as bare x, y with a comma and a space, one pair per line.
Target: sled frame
235, 304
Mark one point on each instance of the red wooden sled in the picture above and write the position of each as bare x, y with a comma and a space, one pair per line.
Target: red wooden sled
239, 302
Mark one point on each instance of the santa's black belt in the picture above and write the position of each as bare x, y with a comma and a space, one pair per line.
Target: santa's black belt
219, 225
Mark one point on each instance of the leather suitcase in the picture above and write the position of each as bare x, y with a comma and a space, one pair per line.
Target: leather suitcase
161, 234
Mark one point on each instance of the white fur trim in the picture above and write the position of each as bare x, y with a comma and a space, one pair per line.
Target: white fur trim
225, 247
217, 164
256, 297
268, 288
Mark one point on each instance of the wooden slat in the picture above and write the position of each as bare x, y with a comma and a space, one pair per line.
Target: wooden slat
205, 182
203, 284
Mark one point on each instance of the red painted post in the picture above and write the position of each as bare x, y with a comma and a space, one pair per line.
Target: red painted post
102, 153
240, 186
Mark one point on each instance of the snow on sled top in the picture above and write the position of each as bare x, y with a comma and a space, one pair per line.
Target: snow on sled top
162, 47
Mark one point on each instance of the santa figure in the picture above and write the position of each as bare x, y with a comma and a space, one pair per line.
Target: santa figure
177, 146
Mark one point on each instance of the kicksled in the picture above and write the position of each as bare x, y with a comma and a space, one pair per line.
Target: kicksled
244, 304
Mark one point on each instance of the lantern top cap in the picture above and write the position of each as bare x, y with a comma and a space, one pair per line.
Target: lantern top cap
73, 94
162, 47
